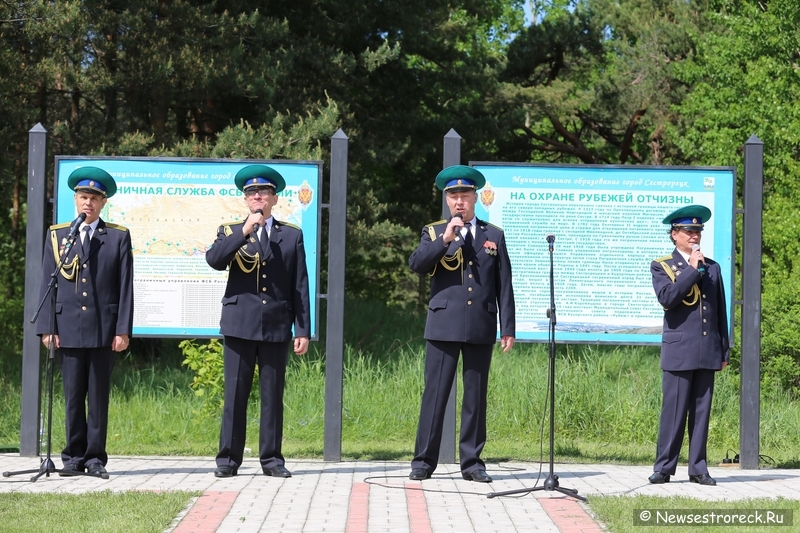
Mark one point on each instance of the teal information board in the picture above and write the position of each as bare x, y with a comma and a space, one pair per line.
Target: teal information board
607, 225
173, 208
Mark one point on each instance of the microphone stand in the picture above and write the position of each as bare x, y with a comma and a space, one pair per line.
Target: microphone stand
551, 482
47, 466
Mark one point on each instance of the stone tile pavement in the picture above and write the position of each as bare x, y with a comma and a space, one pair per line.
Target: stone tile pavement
376, 496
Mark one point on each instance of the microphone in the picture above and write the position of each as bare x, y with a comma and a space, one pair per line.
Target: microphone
256, 226
701, 266
75, 227
458, 230
551, 238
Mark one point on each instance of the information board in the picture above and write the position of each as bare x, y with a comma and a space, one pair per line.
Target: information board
607, 223
173, 208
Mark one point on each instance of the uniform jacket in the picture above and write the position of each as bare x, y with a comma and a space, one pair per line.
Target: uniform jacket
468, 287
695, 333
94, 297
267, 292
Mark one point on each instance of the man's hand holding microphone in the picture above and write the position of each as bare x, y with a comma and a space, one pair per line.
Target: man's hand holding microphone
453, 229
697, 260
253, 222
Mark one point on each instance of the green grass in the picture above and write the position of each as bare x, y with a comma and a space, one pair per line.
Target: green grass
98, 512
619, 513
607, 403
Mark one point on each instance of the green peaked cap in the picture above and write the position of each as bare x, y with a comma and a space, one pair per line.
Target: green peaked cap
92, 179
690, 216
259, 176
460, 177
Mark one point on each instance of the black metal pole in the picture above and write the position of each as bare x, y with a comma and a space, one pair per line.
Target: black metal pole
29, 441
750, 387
334, 333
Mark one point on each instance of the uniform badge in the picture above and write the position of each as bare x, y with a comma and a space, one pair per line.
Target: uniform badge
490, 248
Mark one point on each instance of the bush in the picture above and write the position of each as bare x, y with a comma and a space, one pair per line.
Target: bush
780, 334
205, 360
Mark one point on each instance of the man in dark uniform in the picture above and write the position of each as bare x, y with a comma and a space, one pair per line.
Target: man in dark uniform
694, 343
467, 261
267, 293
93, 316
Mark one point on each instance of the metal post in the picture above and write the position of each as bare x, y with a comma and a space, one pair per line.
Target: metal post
750, 388
334, 343
34, 245
447, 452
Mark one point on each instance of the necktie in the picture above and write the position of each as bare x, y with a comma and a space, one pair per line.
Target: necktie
468, 241
85, 239
264, 239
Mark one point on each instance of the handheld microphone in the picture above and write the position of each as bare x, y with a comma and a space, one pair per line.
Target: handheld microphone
701, 266
551, 238
457, 231
75, 227
256, 226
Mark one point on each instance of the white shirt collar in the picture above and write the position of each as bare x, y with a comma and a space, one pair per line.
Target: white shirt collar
93, 225
472, 223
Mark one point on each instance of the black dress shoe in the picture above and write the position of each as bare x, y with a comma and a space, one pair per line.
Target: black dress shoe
277, 471
658, 478
70, 469
418, 474
225, 471
96, 469
703, 479
479, 476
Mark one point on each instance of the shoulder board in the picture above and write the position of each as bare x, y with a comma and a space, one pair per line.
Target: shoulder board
431, 231
117, 227
665, 258
226, 228
60, 226
494, 226
280, 223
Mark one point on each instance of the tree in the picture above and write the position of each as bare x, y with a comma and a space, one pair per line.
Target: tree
744, 81
594, 82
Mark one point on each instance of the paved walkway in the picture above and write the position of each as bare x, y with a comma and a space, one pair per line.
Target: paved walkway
376, 496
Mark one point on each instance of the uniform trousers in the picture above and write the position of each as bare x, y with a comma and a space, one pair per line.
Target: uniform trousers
240, 359
86, 373
686, 392
441, 360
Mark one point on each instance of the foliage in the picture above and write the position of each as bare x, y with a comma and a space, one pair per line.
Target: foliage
589, 81
377, 255
744, 81
206, 361
593, 82
607, 403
